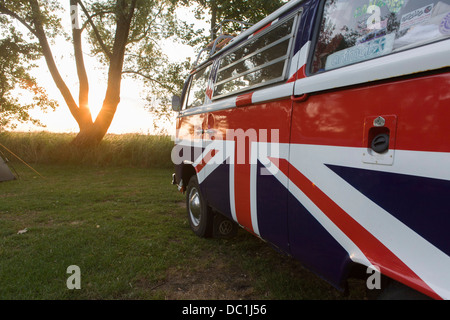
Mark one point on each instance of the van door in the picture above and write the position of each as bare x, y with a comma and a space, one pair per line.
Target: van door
191, 121
366, 162
249, 124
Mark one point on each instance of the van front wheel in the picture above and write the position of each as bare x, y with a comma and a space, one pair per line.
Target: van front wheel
199, 214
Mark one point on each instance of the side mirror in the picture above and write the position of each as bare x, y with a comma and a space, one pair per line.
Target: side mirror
176, 103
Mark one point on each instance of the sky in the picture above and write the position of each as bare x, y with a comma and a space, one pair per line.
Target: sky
130, 117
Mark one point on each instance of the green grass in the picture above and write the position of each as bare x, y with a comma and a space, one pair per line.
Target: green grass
134, 150
126, 229
112, 211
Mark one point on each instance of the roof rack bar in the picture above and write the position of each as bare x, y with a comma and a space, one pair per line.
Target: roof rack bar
219, 26
221, 41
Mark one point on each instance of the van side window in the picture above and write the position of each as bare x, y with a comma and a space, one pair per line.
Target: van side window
260, 61
355, 31
197, 89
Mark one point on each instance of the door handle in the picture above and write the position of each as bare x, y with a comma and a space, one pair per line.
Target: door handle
380, 143
300, 98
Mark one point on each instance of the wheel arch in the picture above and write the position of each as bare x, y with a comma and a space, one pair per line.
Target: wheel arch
184, 172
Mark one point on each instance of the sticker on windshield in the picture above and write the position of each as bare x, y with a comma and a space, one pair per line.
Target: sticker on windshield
418, 16
394, 5
364, 51
444, 27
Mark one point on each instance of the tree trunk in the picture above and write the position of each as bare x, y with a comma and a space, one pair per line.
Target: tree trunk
83, 94
65, 92
94, 134
91, 133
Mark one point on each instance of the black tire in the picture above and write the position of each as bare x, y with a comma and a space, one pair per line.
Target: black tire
200, 216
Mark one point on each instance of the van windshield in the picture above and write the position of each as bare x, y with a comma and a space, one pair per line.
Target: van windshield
354, 31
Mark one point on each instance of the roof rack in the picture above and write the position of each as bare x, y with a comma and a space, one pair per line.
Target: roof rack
222, 40
219, 26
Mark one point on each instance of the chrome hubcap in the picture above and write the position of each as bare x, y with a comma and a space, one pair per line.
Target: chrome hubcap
195, 207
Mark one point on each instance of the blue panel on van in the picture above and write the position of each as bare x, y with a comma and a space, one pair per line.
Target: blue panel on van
314, 247
420, 203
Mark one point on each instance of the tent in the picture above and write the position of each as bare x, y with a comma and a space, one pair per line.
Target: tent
5, 172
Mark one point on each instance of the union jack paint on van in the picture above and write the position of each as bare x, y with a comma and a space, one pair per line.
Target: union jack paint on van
323, 129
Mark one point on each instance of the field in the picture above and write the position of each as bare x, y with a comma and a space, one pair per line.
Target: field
117, 217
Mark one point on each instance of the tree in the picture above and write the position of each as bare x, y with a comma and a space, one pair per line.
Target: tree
123, 34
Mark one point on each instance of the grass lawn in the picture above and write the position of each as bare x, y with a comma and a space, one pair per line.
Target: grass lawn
125, 228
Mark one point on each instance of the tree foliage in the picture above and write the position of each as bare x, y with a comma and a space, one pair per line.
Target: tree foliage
19, 90
249, 11
123, 35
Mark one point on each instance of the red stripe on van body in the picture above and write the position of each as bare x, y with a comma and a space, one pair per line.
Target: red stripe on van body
244, 99
205, 160
242, 193
300, 74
